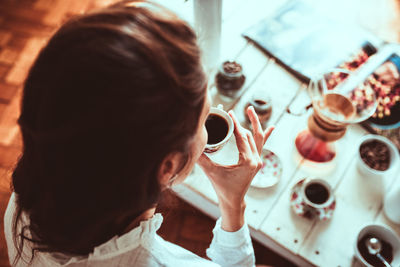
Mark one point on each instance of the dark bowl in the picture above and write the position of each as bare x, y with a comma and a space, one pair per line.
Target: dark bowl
388, 122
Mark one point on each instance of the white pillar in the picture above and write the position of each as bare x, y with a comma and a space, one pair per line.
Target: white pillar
207, 23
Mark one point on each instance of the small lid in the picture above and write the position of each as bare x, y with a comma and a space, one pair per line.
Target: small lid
231, 68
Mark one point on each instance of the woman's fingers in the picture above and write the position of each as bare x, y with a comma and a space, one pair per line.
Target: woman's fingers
257, 128
252, 143
241, 138
267, 133
259, 136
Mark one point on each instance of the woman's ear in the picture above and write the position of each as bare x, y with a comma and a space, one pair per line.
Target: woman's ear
169, 168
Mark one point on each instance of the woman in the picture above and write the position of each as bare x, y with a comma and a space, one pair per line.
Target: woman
113, 114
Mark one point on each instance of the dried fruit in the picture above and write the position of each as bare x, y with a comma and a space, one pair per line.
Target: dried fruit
362, 97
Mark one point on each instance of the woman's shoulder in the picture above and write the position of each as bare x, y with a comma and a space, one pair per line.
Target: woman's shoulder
173, 255
8, 222
10, 208
144, 247
141, 247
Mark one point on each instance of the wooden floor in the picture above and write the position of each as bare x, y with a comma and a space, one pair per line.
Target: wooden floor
25, 25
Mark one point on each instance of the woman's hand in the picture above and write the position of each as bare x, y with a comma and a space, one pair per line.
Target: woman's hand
232, 182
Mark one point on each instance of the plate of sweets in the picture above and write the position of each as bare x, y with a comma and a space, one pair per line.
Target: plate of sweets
383, 83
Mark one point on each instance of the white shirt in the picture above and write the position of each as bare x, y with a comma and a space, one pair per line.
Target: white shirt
142, 246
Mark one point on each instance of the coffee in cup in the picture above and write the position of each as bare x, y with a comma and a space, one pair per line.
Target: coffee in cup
219, 127
313, 198
317, 193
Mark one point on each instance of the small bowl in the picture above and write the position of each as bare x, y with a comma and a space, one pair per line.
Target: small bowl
381, 232
366, 170
388, 122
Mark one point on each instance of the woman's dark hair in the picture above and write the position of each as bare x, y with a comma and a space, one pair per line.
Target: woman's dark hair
108, 98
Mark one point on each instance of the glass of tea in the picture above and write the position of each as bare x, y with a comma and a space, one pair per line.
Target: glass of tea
219, 127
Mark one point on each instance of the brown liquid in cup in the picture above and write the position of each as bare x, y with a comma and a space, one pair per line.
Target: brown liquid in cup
262, 109
217, 128
386, 252
317, 193
260, 102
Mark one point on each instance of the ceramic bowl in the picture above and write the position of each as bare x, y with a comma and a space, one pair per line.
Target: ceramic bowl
381, 232
364, 169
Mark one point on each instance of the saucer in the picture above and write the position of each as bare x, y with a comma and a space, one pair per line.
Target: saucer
270, 172
301, 209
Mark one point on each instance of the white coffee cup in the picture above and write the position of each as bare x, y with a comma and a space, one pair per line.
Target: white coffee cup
221, 141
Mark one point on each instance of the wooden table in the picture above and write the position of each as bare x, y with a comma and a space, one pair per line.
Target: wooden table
358, 202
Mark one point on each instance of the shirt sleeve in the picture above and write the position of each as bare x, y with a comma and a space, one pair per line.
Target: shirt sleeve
231, 248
